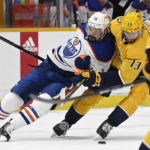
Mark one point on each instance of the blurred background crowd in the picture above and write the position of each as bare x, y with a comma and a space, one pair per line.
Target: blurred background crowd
65, 13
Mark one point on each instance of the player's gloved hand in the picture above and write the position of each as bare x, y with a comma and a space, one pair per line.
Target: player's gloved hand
146, 68
92, 78
82, 64
148, 64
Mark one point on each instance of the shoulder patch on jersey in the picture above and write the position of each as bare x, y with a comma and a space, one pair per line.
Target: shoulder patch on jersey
73, 48
119, 19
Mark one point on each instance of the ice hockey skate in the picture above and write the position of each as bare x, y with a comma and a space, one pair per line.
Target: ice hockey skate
60, 129
5, 132
103, 130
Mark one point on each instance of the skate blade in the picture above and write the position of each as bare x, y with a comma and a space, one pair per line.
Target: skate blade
54, 135
97, 137
3, 139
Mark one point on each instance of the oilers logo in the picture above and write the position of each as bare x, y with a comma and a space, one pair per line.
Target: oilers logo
73, 48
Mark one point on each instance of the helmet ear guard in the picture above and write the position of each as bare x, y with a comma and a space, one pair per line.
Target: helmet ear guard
132, 22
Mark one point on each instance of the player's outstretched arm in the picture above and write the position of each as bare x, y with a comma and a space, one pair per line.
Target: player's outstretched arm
92, 78
102, 80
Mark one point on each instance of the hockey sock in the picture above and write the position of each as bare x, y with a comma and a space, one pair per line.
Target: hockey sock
145, 145
29, 114
117, 116
72, 116
25, 117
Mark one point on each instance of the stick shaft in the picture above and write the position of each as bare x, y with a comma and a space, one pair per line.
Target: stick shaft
110, 89
20, 48
74, 90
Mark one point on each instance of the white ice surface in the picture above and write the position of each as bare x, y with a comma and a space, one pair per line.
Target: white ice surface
36, 136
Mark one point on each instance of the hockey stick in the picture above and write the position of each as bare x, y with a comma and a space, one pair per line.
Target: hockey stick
21, 48
74, 90
110, 89
69, 95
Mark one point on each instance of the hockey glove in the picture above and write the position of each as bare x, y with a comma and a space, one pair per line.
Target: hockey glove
148, 64
82, 64
93, 78
146, 68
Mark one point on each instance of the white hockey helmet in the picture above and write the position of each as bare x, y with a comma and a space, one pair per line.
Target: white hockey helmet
99, 21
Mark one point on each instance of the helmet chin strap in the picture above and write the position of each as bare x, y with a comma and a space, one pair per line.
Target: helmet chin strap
124, 39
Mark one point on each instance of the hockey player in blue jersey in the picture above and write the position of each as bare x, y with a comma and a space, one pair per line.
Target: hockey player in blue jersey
122, 73
91, 47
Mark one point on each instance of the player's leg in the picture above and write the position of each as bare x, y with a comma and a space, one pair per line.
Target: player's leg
145, 145
25, 117
124, 110
10, 102
76, 112
32, 112
33, 82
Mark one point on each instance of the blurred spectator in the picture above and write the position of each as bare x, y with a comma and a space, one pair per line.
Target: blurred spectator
88, 7
68, 13
80, 12
75, 8
30, 13
103, 6
31, 2
53, 14
119, 7
142, 6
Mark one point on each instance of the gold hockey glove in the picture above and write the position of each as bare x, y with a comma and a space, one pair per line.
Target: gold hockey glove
92, 78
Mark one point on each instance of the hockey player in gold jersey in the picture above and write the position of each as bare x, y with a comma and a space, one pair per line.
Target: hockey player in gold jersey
131, 35
131, 38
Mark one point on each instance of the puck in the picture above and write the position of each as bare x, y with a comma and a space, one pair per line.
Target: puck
101, 142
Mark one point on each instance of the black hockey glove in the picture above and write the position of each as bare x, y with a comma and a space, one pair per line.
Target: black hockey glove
148, 64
